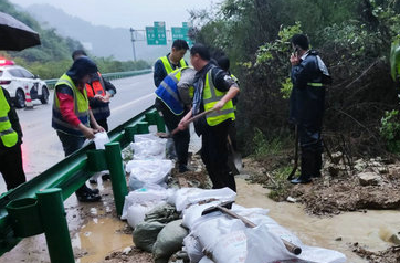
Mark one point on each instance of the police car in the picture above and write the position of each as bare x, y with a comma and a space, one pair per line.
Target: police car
18, 81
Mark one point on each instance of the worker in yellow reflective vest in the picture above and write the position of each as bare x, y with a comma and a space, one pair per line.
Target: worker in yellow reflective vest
171, 62
164, 66
10, 143
174, 98
214, 90
72, 117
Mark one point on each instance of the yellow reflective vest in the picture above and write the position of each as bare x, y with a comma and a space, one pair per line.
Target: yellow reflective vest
8, 136
81, 108
212, 96
167, 65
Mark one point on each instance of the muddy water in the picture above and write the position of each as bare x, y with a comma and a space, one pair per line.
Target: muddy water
372, 228
99, 237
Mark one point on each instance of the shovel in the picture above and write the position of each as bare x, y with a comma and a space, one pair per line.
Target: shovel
176, 130
292, 248
296, 154
235, 159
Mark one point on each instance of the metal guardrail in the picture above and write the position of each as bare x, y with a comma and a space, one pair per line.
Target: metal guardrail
63, 179
108, 76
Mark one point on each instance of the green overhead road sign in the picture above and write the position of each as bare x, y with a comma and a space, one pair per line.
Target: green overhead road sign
181, 33
151, 35
156, 35
177, 33
187, 24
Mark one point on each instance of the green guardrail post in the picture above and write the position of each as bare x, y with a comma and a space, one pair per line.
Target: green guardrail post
96, 160
130, 132
116, 167
55, 225
160, 123
25, 217
143, 127
151, 117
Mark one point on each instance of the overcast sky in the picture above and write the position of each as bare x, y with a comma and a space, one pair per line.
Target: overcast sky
127, 13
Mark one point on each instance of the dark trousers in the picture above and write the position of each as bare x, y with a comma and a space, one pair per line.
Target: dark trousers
11, 166
215, 152
311, 151
182, 138
103, 123
70, 144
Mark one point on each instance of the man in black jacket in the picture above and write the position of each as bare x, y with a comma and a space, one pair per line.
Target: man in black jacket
309, 74
214, 90
10, 143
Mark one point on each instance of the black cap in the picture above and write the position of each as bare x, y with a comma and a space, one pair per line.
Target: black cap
81, 67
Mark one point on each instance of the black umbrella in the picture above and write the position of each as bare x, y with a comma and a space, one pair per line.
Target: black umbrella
15, 35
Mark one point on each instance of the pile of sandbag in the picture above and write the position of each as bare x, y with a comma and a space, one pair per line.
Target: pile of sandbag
148, 173
226, 239
160, 233
167, 221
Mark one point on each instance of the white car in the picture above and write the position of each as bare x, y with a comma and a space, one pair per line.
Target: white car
18, 81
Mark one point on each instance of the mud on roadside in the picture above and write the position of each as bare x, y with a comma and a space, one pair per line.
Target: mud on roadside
370, 185
391, 255
131, 255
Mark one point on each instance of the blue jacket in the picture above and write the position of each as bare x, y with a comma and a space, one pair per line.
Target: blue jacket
168, 92
308, 94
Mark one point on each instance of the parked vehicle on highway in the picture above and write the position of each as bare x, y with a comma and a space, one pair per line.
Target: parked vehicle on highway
19, 81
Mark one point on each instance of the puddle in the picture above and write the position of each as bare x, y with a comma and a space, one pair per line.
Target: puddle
365, 228
100, 237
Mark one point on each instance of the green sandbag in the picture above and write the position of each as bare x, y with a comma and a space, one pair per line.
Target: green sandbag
145, 235
169, 241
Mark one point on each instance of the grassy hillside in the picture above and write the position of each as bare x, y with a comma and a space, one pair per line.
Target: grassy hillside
53, 56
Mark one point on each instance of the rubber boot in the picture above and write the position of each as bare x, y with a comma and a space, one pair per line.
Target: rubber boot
307, 167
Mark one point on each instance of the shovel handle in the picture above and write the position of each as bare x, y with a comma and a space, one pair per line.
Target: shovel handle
292, 248
176, 130
247, 223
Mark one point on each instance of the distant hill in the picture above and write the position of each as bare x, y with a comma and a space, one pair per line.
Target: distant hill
53, 48
105, 41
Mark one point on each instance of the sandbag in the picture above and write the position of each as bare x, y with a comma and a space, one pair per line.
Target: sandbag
187, 196
148, 173
193, 213
193, 248
149, 147
136, 214
163, 213
205, 259
169, 241
100, 140
145, 235
143, 196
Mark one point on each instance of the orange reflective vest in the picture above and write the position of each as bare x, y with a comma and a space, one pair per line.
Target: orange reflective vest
96, 88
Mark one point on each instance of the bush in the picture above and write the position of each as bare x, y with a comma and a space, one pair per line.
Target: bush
263, 147
390, 131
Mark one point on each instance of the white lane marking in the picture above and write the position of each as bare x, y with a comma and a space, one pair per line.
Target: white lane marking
113, 110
